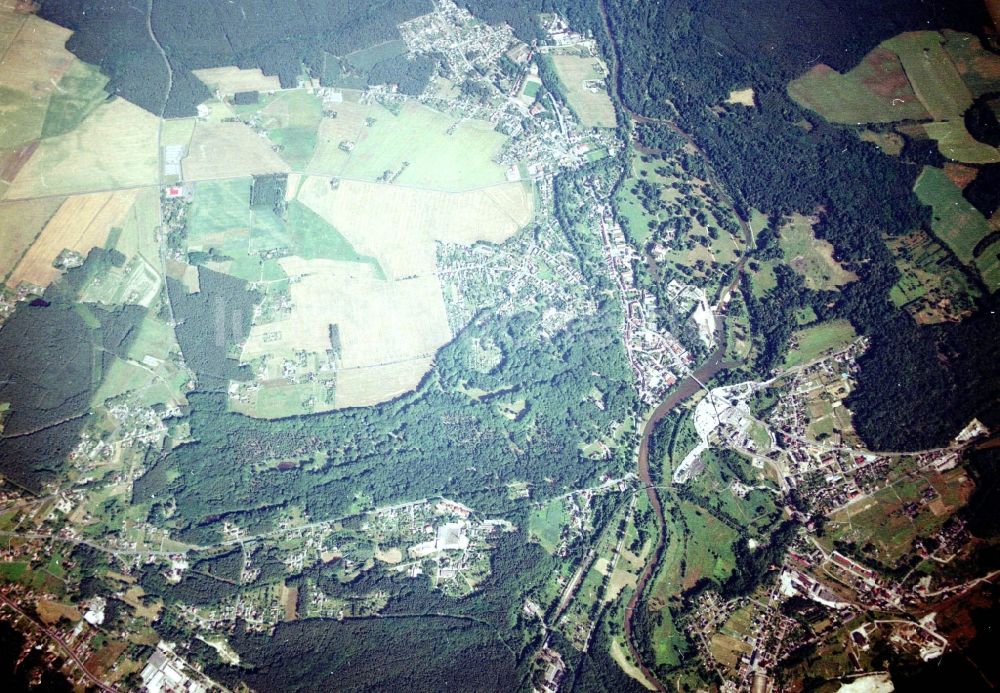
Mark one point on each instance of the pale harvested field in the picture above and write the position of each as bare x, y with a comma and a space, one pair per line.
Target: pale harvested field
36, 57
594, 108
177, 131
398, 226
81, 223
229, 150
391, 555
229, 80
744, 97
364, 387
20, 224
618, 654
10, 23
389, 330
115, 147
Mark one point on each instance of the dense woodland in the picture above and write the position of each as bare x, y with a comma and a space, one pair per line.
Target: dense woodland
278, 38
53, 354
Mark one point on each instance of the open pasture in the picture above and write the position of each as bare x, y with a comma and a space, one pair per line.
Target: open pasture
931, 73
815, 341
82, 222
114, 147
419, 147
291, 119
230, 80
955, 142
398, 226
958, 224
875, 91
810, 256
20, 224
978, 67
583, 77
36, 58
229, 150
348, 126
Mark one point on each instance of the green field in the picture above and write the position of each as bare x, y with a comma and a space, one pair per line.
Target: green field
958, 224
955, 142
592, 106
875, 91
22, 117
421, 147
80, 91
813, 342
931, 73
291, 119
222, 205
546, 524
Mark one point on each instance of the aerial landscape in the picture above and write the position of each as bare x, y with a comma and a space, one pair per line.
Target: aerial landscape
481, 345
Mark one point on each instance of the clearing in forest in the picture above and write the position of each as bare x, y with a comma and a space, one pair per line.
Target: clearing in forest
810, 256
932, 286
810, 343
230, 80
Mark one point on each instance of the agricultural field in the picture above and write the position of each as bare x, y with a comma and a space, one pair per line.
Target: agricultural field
546, 524
932, 287
114, 147
876, 91
20, 224
959, 225
82, 222
810, 256
583, 76
932, 74
920, 75
398, 226
291, 119
229, 150
810, 343
418, 147
892, 518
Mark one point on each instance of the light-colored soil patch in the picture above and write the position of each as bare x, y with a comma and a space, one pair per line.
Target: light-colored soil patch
134, 597
115, 147
20, 224
51, 612
391, 555
742, 97
618, 654
36, 58
229, 80
398, 226
363, 387
584, 77
81, 223
229, 150
289, 601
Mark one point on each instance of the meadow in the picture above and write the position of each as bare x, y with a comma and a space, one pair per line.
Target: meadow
958, 224
810, 343
810, 256
418, 147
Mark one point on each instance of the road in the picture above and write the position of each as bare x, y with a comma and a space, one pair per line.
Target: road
62, 646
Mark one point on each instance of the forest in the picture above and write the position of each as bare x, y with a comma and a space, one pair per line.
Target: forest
278, 38
53, 353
